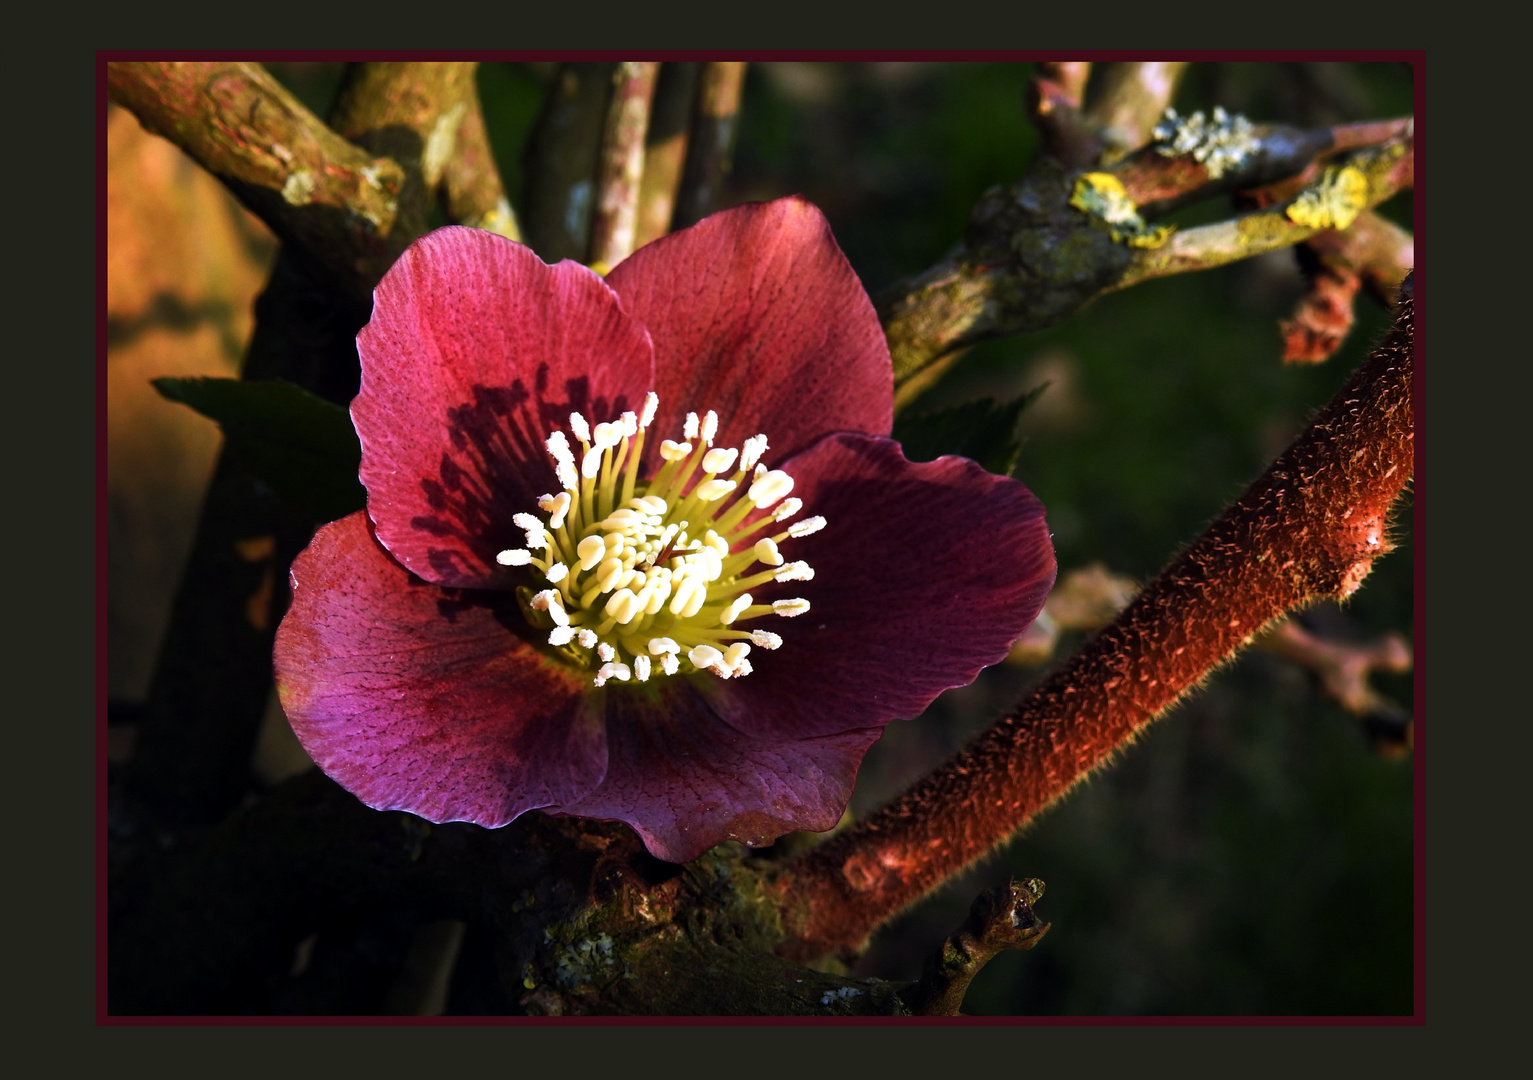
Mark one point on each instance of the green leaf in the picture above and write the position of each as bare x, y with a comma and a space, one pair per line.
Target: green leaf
301, 446
984, 431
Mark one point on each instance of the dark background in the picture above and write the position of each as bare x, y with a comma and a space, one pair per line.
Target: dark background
1250, 855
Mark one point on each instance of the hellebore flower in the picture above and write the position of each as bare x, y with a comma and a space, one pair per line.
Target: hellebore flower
568, 589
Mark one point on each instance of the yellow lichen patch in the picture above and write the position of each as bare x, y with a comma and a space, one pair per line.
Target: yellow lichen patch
1332, 202
1103, 196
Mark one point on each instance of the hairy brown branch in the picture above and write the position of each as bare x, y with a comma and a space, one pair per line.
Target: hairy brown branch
711, 146
1310, 527
471, 186
314, 188
621, 164
665, 149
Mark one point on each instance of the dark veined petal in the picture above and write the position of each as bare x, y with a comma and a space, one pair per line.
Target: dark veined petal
686, 780
475, 351
925, 574
755, 313
419, 698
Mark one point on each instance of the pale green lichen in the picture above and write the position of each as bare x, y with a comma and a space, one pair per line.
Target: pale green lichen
1219, 144
298, 190
1333, 201
1103, 196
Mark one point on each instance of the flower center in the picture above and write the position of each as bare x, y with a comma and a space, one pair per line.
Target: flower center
654, 575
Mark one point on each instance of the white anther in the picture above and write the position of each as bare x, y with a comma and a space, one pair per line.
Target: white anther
806, 527
608, 573
766, 639
653, 503
557, 507
732, 612
674, 451
557, 573
629, 422
766, 552
606, 652
590, 465
669, 664
710, 565
713, 490
578, 426
590, 550
651, 402
658, 592
560, 635
619, 672
623, 605
790, 608
704, 656
514, 557
537, 536
710, 426
559, 447
569, 479
623, 519
605, 435
689, 429
755, 446
716, 542
717, 461
550, 601
688, 597
761, 470
613, 542
788, 508
659, 646
587, 637
641, 668
795, 571
770, 487
735, 655
742, 669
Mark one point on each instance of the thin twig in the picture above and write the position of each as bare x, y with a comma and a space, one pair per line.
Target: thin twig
1054, 103
1310, 527
621, 164
1002, 918
1372, 250
711, 147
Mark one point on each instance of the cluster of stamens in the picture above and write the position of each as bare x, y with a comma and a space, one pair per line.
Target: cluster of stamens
653, 576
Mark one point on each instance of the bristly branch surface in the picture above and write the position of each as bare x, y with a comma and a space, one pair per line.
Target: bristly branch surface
1309, 528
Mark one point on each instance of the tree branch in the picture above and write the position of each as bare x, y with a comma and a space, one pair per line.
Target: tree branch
471, 183
665, 150
621, 164
562, 157
1002, 918
314, 189
1126, 100
1310, 527
711, 147
1372, 250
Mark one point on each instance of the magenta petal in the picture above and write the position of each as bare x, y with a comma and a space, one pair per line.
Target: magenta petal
686, 780
419, 698
475, 351
925, 574
756, 313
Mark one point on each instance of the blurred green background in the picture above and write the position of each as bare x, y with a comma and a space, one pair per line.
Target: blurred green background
1250, 854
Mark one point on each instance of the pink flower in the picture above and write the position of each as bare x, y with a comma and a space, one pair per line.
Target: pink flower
568, 590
